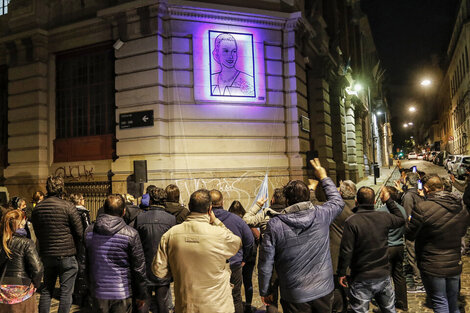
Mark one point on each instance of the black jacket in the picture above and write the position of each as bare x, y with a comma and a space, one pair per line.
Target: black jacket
437, 226
364, 244
178, 210
151, 224
25, 266
58, 227
466, 196
410, 199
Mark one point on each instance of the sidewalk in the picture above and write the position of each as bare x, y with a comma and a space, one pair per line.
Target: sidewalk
368, 181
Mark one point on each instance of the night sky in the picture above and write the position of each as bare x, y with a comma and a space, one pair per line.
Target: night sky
411, 37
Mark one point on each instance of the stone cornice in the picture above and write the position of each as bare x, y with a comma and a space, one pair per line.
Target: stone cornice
233, 16
24, 34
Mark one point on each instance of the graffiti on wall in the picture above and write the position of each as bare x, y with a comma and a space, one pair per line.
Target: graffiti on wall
243, 188
75, 172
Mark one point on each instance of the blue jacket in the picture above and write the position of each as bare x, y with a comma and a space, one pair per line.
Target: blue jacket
297, 243
395, 236
239, 228
151, 225
115, 259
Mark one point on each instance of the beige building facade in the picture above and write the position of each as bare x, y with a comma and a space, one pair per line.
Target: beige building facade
209, 95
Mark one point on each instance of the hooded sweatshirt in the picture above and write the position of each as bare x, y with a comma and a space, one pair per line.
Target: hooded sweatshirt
116, 259
437, 226
296, 243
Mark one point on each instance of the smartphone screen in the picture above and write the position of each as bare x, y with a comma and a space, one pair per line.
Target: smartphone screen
420, 185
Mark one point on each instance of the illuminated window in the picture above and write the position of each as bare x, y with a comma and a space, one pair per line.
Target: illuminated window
4, 6
85, 104
3, 115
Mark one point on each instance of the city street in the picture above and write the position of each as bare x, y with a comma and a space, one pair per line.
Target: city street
425, 166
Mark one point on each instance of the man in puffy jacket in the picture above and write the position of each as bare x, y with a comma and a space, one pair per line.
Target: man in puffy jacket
195, 253
151, 225
364, 249
241, 229
115, 260
437, 226
296, 243
59, 230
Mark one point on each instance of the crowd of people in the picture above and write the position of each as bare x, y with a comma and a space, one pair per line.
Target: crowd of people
318, 248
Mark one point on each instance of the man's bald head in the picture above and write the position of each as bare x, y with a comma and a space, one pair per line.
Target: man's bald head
217, 198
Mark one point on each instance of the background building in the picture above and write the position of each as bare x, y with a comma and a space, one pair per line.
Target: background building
453, 100
89, 87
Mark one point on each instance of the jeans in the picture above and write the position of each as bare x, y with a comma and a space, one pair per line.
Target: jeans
395, 256
66, 268
113, 306
362, 292
411, 260
247, 272
320, 305
236, 280
443, 292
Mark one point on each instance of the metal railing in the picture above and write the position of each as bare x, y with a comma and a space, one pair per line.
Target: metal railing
394, 176
95, 194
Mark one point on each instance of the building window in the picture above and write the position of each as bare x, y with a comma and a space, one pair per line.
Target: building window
3, 116
85, 121
4, 6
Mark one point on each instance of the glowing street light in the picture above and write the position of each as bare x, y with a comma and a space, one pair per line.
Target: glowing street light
426, 82
405, 125
412, 109
357, 87
410, 124
379, 113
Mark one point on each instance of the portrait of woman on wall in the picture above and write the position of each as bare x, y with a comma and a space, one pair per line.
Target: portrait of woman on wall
231, 72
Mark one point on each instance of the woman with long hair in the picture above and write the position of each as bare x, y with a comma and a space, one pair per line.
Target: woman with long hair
20, 266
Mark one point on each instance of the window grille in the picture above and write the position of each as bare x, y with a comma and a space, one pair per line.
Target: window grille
85, 93
4, 6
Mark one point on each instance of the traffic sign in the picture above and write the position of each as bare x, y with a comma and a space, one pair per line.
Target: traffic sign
136, 119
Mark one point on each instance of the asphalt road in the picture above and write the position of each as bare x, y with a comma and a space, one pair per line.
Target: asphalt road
425, 166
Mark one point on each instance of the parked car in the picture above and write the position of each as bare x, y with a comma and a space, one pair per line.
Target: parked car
412, 156
450, 165
460, 166
420, 156
447, 161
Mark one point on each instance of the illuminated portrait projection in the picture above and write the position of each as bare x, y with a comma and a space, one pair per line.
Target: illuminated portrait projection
232, 64
229, 66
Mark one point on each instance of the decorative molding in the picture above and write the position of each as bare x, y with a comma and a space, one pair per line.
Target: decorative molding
234, 18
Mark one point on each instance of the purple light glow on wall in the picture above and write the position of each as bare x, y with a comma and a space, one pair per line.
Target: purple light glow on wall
228, 65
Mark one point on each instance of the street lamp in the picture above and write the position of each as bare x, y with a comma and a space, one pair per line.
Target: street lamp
405, 125
357, 87
426, 82
410, 123
412, 109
